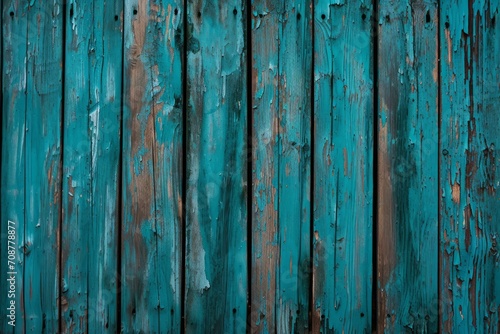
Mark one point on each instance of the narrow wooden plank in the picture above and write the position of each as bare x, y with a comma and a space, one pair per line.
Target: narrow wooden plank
265, 119
343, 167
216, 221
152, 178
43, 156
470, 132
281, 88
294, 186
407, 268
104, 108
77, 169
14, 50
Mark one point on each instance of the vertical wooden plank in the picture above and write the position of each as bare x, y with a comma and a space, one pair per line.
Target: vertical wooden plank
77, 172
470, 132
281, 88
14, 45
343, 167
91, 151
104, 110
168, 159
216, 221
43, 154
265, 119
407, 276
294, 163
152, 178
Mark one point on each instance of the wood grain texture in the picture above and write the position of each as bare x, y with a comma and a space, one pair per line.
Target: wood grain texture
152, 172
43, 156
470, 272
216, 221
105, 87
14, 52
77, 170
281, 105
343, 167
407, 276
92, 102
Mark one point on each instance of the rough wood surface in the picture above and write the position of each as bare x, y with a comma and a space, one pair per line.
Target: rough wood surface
470, 210
92, 112
216, 237
152, 167
408, 75
14, 91
343, 166
44, 84
250, 165
77, 170
281, 113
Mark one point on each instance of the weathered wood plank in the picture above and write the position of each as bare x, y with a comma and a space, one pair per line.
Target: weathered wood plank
152, 178
104, 107
407, 268
281, 88
343, 167
294, 186
77, 169
91, 152
265, 118
216, 221
14, 51
470, 132
43, 156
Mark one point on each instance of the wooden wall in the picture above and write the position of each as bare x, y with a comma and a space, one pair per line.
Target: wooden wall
263, 166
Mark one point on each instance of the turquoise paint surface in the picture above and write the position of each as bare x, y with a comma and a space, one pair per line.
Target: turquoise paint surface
14, 109
90, 168
152, 167
408, 75
43, 163
343, 167
281, 64
216, 207
470, 95
77, 169
311, 89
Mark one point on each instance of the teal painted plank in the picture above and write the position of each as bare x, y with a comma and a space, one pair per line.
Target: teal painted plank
281, 104
294, 185
265, 118
343, 167
43, 156
91, 152
104, 110
14, 51
407, 276
77, 170
216, 221
152, 160
470, 132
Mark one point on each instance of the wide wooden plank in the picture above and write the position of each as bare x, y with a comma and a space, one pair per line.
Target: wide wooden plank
407, 245
91, 159
343, 167
152, 167
43, 157
216, 221
12, 213
470, 132
281, 169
